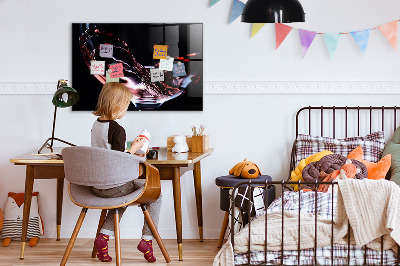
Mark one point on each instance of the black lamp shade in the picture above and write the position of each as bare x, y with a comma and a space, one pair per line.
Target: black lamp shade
60, 101
273, 11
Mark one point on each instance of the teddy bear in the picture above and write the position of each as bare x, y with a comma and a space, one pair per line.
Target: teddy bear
245, 169
180, 144
13, 215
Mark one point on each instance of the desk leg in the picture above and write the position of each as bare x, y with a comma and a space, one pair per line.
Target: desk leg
60, 190
176, 182
199, 204
27, 206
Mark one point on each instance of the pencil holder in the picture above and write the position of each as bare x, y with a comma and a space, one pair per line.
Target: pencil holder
200, 143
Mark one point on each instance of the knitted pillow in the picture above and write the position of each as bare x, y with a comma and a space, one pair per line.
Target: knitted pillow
372, 144
328, 164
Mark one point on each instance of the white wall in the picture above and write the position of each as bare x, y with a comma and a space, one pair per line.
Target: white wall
36, 47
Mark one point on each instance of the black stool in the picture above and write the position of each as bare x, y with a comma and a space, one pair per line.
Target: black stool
226, 183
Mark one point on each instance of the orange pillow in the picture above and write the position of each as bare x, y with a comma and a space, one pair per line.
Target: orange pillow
375, 170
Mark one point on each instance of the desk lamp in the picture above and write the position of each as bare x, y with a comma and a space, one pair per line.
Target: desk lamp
273, 11
64, 96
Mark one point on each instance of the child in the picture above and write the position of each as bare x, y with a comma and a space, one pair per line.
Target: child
106, 133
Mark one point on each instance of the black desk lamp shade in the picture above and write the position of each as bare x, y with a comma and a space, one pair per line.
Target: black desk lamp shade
273, 11
64, 96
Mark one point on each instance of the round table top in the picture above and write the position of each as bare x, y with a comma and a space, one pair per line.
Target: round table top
230, 181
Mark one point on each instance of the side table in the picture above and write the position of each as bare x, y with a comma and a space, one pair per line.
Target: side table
226, 183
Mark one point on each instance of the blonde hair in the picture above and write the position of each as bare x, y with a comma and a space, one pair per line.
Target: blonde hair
113, 97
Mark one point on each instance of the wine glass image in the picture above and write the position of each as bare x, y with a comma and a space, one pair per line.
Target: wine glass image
133, 48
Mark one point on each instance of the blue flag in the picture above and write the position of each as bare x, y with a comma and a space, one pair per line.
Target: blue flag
361, 38
237, 9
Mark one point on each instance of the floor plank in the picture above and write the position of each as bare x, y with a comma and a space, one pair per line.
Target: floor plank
50, 252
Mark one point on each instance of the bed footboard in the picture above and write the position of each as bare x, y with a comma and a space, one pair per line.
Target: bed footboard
300, 256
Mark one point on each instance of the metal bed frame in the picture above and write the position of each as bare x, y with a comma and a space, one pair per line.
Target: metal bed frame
284, 184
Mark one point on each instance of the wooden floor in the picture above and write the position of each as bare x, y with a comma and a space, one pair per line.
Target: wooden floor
50, 252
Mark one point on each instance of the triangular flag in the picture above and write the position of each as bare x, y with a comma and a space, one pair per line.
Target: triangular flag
256, 27
213, 2
390, 32
332, 41
361, 37
281, 31
237, 9
306, 39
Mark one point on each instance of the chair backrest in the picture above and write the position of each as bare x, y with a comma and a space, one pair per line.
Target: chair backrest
92, 166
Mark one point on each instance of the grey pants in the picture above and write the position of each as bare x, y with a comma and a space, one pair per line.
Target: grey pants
153, 208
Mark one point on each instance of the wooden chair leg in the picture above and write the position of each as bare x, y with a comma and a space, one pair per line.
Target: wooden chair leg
117, 238
73, 237
101, 222
154, 230
223, 229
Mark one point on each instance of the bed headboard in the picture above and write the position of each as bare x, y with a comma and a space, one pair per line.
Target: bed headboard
344, 121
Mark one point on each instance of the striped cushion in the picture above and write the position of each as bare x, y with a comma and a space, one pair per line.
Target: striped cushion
372, 145
13, 228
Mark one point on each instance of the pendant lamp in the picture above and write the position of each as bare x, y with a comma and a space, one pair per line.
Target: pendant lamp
273, 11
64, 96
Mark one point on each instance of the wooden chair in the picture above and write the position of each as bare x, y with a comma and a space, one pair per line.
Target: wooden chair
85, 167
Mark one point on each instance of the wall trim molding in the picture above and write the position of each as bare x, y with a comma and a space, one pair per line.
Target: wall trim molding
243, 87
302, 87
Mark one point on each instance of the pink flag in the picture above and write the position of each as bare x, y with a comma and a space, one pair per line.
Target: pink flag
389, 30
281, 31
306, 39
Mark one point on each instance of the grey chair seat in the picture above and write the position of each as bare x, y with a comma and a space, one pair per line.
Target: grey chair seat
85, 167
83, 196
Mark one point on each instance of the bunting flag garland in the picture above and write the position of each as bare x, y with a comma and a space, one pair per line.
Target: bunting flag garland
306, 39
256, 27
213, 2
332, 41
281, 31
237, 9
389, 30
361, 38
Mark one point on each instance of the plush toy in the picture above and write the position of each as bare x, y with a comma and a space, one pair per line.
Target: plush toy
180, 144
13, 215
375, 170
245, 169
296, 174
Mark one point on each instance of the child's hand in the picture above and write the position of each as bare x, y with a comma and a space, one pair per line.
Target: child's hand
137, 144
143, 155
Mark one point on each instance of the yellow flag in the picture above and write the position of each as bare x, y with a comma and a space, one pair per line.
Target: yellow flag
256, 28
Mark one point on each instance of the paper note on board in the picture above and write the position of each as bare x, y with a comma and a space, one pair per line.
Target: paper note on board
167, 64
110, 79
97, 67
179, 70
106, 50
156, 74
160, 51
117, 70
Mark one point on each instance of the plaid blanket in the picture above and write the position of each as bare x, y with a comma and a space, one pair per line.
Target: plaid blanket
324, 257
322, 204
